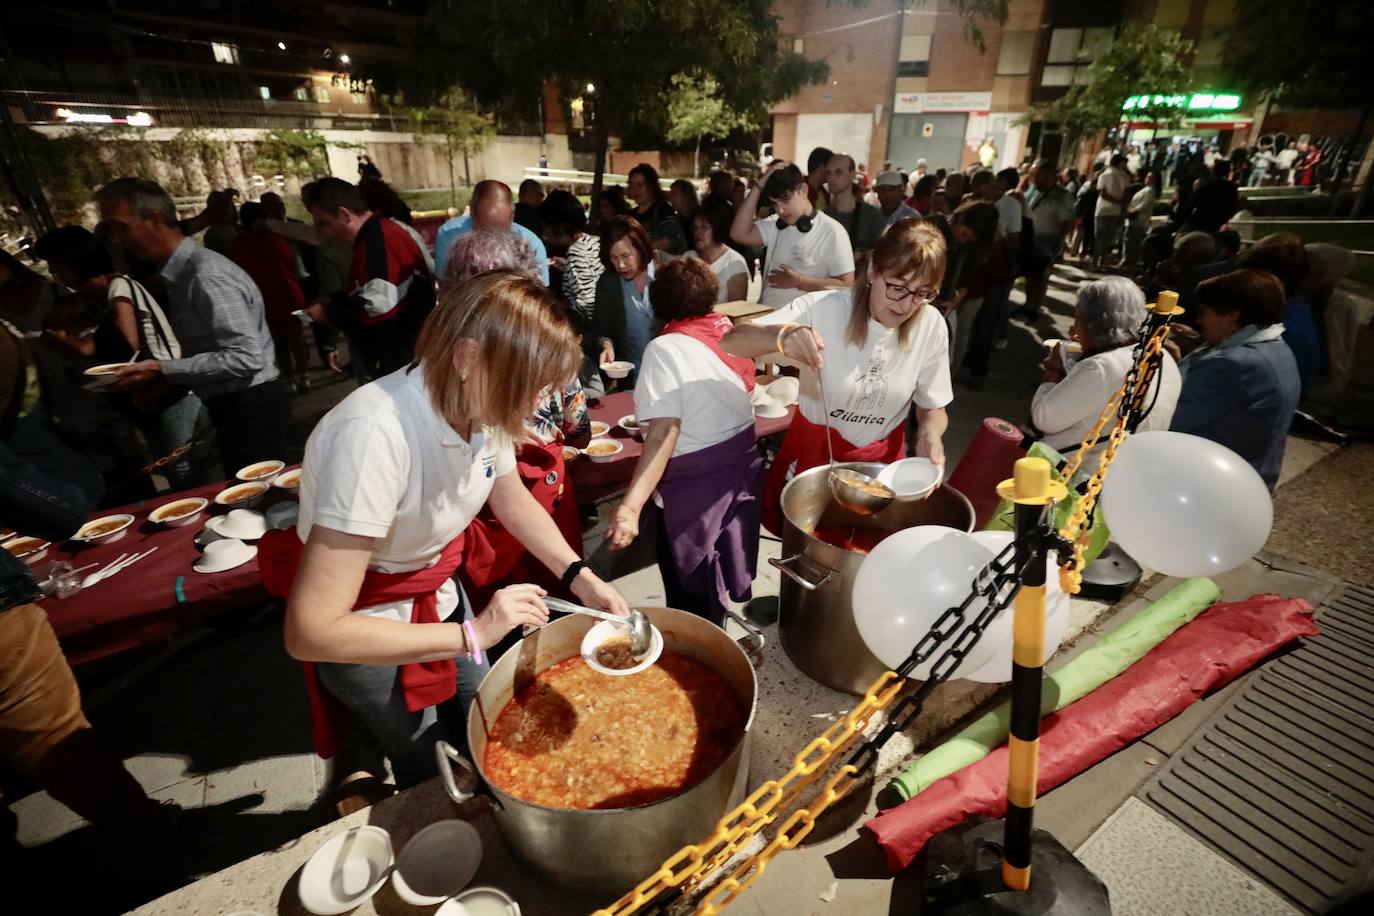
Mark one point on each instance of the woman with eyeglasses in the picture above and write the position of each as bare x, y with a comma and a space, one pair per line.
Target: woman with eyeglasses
878, 348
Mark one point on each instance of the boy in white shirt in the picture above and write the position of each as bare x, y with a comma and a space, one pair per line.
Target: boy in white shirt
807, 250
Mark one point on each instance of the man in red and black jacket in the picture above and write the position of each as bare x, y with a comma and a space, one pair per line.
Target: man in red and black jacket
390, 290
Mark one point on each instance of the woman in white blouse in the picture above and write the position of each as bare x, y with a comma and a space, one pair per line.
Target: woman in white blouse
710, 232
392, 478
1077, 386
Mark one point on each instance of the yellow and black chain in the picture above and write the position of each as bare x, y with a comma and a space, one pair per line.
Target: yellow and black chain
1122, 411
685, 871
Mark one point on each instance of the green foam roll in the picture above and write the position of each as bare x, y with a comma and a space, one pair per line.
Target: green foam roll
1113, 653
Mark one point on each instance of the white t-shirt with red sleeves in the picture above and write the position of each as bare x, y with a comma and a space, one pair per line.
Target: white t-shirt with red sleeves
869, 388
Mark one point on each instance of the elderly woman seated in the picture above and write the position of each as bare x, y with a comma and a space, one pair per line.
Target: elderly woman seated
1078, 383
1241, 387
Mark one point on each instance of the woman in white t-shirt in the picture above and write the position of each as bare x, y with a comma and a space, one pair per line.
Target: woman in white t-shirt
879, 349
392, 478
701, 463
710, 232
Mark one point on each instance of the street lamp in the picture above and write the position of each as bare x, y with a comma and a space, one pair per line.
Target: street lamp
345, 59
281, 46
591, 87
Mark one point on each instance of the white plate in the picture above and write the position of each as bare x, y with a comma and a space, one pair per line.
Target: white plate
912, 478
437, 863
267, 471
784, 390
259, 491
345, 871
181, 520
108, 537
241, 524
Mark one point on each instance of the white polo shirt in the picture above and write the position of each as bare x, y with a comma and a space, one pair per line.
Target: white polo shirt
823, 252
383, 464
869, 388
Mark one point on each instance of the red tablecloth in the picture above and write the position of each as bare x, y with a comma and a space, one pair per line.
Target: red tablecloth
155, 598
593, 481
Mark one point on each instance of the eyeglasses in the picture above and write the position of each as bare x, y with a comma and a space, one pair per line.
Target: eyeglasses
898, 293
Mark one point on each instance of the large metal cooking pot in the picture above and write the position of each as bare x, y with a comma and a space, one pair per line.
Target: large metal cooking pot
610, 851
816, 618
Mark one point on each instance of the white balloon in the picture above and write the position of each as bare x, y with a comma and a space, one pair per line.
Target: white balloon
908, 581
1184, 505
998, 633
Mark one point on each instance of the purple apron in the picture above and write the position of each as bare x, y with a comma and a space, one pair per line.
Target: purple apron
711, 512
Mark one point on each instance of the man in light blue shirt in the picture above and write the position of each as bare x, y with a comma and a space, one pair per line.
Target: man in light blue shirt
491, 209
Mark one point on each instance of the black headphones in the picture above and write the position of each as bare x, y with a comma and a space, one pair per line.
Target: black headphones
803, 224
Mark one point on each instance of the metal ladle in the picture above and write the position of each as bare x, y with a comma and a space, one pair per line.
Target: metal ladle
637, 623
852, 489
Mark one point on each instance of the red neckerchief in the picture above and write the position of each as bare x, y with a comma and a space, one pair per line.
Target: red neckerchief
709, 329
424, 684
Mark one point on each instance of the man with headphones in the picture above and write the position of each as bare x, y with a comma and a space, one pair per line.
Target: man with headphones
807, 250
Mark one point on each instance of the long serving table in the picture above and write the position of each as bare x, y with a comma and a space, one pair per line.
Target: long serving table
593, 481
157, 598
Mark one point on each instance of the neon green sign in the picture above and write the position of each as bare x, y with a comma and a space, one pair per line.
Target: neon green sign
1198, 101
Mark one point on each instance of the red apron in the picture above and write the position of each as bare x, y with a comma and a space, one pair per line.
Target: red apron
494, 558
424, 684
804, 448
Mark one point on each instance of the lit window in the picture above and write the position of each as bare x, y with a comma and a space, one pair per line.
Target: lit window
302, 94
224, 53
265, 92
322, 93
359, 98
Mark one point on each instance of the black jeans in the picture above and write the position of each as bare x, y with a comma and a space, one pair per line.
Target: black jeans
251, 425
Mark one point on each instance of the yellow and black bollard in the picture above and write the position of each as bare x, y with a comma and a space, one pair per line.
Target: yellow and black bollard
1033, 490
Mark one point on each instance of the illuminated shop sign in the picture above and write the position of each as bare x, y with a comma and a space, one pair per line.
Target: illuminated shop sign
1198, 101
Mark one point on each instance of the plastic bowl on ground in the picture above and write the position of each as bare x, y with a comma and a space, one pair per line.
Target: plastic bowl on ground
346, 870
437, 863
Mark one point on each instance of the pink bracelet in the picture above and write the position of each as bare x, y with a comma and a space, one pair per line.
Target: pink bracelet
474, 648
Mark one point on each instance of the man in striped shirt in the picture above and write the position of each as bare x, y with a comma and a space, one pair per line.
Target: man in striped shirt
389, 291
217, 313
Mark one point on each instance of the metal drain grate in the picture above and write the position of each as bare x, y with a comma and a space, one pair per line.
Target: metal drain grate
1282, 777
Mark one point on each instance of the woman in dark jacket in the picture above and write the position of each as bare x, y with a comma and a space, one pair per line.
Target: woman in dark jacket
623, 320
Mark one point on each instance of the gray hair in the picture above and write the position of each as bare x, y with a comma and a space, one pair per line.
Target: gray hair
1110, 311
482, 250
142, 198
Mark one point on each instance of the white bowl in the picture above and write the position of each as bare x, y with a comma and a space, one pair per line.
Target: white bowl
121, 521
630, 425
345, 871
224, 555
103, 375
243, 524
608, 456
30, 550
185, 515
288, 480
769, 409
242, 495
785, 390
480, 901
618, 369
606, 630
260, 471
571, 454
600, 428
437, 863
912, 478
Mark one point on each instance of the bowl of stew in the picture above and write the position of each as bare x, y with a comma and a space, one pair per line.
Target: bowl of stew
104, 530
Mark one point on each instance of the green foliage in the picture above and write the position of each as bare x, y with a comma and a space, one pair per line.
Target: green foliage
293, 153
455, 127
1144, 59
69, 167
696, 110
629, 50
1302, 55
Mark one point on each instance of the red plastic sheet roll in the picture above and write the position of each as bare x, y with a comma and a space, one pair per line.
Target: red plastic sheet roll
986, 463
1224, 642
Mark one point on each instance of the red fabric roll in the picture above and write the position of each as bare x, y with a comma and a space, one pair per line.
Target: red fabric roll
987, 462
1204, 655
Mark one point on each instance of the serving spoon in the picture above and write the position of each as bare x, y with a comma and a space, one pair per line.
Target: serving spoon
637, 623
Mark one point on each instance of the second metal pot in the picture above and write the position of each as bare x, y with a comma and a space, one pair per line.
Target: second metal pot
816, 617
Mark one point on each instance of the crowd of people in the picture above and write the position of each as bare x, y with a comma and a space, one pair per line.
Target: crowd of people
437, 492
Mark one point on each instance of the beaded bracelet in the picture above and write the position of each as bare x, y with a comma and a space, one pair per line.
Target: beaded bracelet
474, 647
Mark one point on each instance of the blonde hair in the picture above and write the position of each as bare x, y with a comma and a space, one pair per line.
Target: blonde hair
908, 247
523, 345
